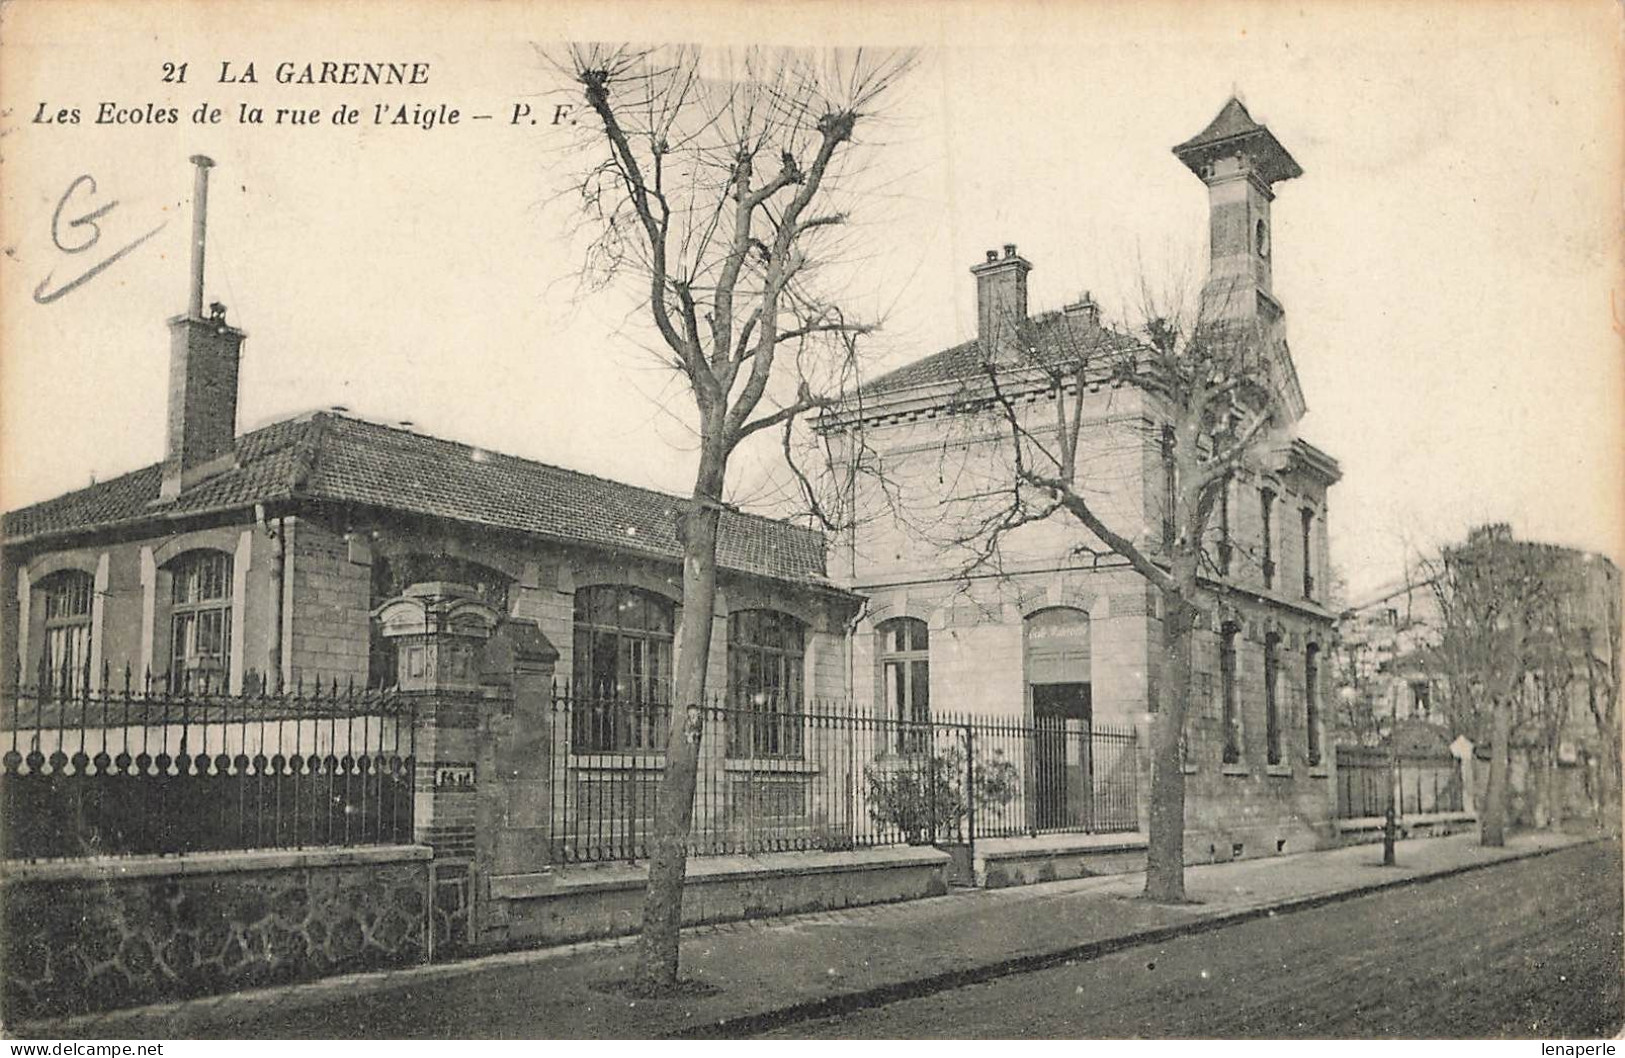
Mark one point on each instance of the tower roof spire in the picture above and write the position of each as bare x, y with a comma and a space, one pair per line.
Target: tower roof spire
1233, 131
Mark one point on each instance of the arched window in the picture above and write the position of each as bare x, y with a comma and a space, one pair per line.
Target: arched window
766, 652
905, 678
200, 619
621, 667
65, 655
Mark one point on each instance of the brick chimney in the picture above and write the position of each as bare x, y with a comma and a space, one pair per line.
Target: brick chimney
203, 356
1001, 293
1085, 308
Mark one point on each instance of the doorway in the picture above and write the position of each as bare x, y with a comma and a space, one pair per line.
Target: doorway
1063, 771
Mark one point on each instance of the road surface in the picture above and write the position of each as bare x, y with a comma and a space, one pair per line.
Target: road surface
1527, 949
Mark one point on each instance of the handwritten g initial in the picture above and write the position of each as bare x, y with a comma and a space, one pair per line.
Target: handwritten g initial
79, 235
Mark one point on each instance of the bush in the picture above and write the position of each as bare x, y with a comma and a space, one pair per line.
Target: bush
924, 797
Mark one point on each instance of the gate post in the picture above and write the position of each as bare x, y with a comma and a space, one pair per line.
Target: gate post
970, 792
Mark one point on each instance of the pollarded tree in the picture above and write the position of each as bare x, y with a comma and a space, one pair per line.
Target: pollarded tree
719, 185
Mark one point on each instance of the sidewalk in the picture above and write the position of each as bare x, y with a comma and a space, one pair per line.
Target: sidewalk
771, 972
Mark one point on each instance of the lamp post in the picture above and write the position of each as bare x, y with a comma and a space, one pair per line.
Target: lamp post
1390, 825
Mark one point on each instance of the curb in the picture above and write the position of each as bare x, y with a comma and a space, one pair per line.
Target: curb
947, 980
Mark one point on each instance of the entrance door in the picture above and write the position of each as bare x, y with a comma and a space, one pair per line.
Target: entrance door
1062, 768
1059, 790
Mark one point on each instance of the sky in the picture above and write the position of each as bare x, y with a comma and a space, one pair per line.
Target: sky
1448, 262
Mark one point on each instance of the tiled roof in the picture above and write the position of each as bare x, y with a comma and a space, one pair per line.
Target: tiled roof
340, 459
1056, 338
1232, 120
1234, 129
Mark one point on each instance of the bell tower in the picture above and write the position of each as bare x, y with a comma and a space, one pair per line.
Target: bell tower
1239, 160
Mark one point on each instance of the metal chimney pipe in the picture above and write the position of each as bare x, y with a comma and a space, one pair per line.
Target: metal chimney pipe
200, 216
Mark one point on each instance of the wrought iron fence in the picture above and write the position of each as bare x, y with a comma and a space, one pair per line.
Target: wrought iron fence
1365, 783
160, 769
829, 777
1067, 776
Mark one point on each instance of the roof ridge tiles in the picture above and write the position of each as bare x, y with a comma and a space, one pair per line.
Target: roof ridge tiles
526, 460
339, 458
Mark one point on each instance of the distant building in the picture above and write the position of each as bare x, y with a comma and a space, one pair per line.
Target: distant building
1388, 666
1380, 666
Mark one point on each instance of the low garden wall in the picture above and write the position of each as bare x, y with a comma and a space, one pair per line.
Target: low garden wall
1002, 862
577, 903
92, 934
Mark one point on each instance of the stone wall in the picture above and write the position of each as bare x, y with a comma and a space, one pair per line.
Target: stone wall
1252, 807
329, 604
97, 934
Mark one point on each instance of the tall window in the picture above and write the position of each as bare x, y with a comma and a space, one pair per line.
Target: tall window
1311, 700
200, 620
766, 649
905, 675
1272, 699
1266, 511
65, 661
1308, 553
621, 668
1227, 680
1170, 487
1225, 546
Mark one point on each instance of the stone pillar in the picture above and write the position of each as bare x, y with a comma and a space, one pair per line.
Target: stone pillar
443, 783
516, 752
439, 630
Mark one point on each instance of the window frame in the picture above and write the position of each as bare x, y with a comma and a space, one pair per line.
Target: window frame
71, 628
765, 724
1170, 488
1311, 702
1229, 705
1272, 699
1266, 513
619, 722
1308, 516
192, 608
910, 710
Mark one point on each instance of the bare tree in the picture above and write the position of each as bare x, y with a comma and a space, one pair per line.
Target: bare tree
1555, 646
1360, 713
715, 183
1494, 601
1602, 673
1214, 398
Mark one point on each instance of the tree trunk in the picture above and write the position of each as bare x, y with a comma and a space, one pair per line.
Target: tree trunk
1607, 780
1165, 851
1554, 794
1493, 821
668, 862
